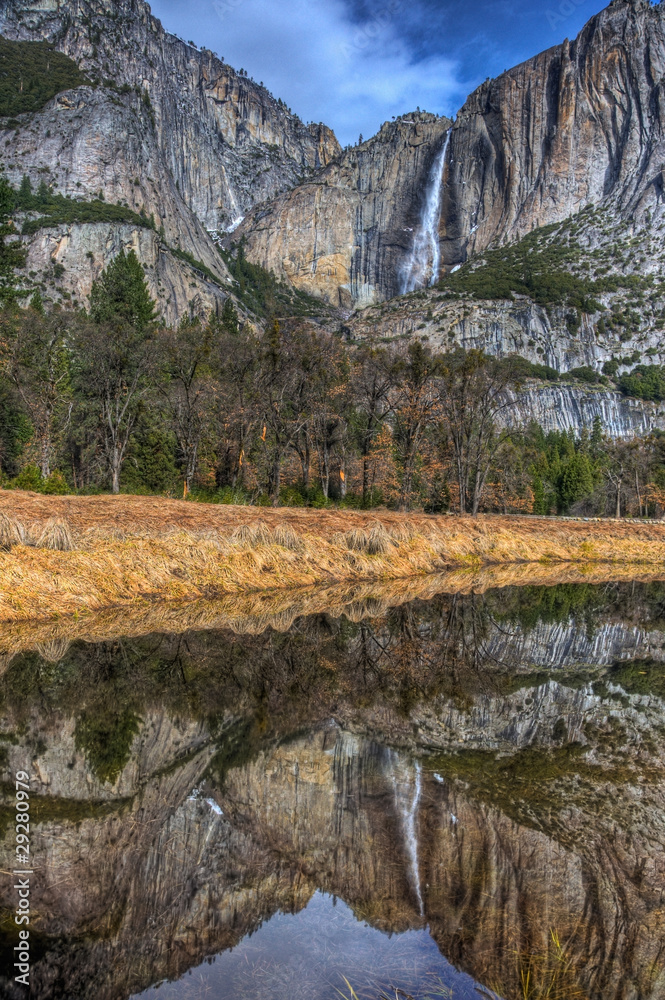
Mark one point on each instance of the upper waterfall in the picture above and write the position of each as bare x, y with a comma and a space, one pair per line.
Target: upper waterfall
407, 788
421, 267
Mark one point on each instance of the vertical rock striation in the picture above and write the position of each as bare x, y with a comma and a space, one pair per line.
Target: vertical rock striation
578, 124
167, 129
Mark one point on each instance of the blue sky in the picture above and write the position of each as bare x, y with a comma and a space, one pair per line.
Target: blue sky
355, 63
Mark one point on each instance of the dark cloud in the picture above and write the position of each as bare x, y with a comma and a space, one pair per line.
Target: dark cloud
356, 64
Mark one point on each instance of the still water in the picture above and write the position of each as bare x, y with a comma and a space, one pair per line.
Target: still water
459, 797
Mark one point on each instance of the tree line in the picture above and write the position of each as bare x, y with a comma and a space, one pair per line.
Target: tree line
109, 400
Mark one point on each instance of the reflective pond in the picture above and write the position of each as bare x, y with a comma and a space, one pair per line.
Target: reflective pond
459, 797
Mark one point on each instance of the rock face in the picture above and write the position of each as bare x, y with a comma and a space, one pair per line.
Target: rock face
573, 408
85, 250
579, 124
171, 130
344, 235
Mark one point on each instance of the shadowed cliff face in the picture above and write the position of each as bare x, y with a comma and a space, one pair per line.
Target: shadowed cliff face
490, 768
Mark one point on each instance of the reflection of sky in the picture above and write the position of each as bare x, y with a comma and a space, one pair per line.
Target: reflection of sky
355, 63
306, 957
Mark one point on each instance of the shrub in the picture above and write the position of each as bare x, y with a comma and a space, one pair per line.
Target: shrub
644, 382
585, 374
261, 292
56, 209
538, 266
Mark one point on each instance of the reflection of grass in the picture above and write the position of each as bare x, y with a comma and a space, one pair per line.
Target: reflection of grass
549, 976
437, 991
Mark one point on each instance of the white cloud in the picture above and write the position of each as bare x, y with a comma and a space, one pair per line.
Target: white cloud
312, 55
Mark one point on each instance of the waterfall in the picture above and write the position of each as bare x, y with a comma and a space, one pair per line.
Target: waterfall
421, 268
407, 787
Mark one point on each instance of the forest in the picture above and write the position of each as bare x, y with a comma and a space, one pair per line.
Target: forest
108, 400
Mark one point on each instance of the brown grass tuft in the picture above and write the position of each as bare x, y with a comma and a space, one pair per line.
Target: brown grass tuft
285, 536
252, 535
405, 532
56, 536
354, 540
379, 542
11, 533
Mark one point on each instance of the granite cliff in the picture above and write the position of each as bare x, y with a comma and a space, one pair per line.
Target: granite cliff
344, 234
570, 143
166, 129
579, 125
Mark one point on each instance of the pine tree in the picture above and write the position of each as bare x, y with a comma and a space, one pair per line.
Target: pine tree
12, 254
575, 481
121, 295
230, 323
25, 196
539, 501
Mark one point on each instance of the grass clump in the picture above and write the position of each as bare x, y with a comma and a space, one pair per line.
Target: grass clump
252, 535
379, 542
57, 536
31, 74
285, 536
11, 533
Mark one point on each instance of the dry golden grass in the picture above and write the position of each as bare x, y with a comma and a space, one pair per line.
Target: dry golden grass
75, 555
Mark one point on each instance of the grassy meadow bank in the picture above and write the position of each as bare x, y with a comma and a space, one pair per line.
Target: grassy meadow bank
72, 556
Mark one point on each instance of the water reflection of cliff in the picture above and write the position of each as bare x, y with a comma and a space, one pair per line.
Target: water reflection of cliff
447, 764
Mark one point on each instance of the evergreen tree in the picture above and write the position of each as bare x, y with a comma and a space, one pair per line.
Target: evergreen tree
12, 253
539, 500
230, 322
575, 481
121, 295
116, 356
25, 196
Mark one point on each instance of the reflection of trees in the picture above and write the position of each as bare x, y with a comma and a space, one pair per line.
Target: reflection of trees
458, 646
